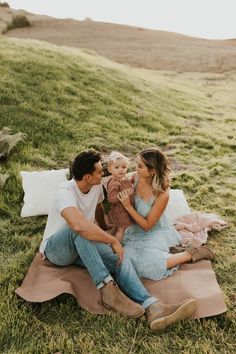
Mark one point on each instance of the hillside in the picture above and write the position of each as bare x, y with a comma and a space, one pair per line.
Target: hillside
133, 46
67, 100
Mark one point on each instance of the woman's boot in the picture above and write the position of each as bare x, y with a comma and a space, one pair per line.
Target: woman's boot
200, 252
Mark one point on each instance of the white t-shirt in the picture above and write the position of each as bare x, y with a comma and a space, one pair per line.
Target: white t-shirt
69, 195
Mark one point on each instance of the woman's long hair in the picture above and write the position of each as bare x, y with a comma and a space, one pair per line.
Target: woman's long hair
155, 159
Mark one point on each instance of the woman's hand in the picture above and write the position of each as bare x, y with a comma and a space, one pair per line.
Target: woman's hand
124, 197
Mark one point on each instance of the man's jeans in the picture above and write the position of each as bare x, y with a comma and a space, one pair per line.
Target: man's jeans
67, 247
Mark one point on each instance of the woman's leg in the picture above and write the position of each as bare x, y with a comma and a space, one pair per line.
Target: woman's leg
178, 258
192, 253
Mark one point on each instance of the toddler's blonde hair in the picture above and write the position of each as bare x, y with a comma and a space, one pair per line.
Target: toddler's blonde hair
114, 156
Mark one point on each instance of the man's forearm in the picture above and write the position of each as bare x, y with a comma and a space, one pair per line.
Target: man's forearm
92, 232
86, 228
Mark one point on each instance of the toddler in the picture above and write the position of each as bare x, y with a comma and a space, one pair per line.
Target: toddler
118, 166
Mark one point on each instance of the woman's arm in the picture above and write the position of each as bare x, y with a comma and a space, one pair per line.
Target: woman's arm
153, 216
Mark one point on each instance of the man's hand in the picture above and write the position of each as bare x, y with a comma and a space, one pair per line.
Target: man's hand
118, 249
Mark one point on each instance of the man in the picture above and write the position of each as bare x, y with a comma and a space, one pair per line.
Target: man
72, 237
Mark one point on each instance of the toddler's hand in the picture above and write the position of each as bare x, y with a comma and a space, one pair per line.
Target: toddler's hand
130, 191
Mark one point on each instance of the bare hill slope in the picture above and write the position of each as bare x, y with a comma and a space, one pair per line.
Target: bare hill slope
134, 46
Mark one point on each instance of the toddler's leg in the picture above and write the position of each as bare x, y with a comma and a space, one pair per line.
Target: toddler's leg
119, 234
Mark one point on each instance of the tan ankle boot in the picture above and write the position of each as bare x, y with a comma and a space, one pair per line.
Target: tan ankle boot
177, 249
114, 299
200, 252
159, 316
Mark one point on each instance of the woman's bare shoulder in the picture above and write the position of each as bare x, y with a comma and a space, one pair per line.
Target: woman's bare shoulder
163, 196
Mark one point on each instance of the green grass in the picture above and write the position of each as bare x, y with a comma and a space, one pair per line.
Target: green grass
65, 101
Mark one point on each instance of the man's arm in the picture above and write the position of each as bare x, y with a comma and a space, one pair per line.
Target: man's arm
87, 229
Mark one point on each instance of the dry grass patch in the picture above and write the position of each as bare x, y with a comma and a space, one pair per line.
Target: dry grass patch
134, 46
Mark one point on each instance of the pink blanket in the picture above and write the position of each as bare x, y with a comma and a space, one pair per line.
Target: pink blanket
195, 226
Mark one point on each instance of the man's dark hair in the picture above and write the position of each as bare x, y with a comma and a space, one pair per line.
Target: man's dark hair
85, 163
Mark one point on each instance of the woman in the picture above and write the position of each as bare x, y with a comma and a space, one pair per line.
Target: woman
148, 240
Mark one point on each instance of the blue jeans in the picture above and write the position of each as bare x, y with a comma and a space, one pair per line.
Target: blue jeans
67, 247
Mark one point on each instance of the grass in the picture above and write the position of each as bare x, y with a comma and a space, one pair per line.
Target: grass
65, 101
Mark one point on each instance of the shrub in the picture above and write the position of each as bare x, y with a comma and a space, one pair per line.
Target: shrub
4, 4
20, 21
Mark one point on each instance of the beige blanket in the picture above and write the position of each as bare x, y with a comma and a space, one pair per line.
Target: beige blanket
45, 281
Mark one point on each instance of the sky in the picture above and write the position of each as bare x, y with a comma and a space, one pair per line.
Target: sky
211, 19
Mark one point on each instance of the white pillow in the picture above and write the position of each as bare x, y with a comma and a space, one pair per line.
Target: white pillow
39, 188
177, 205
